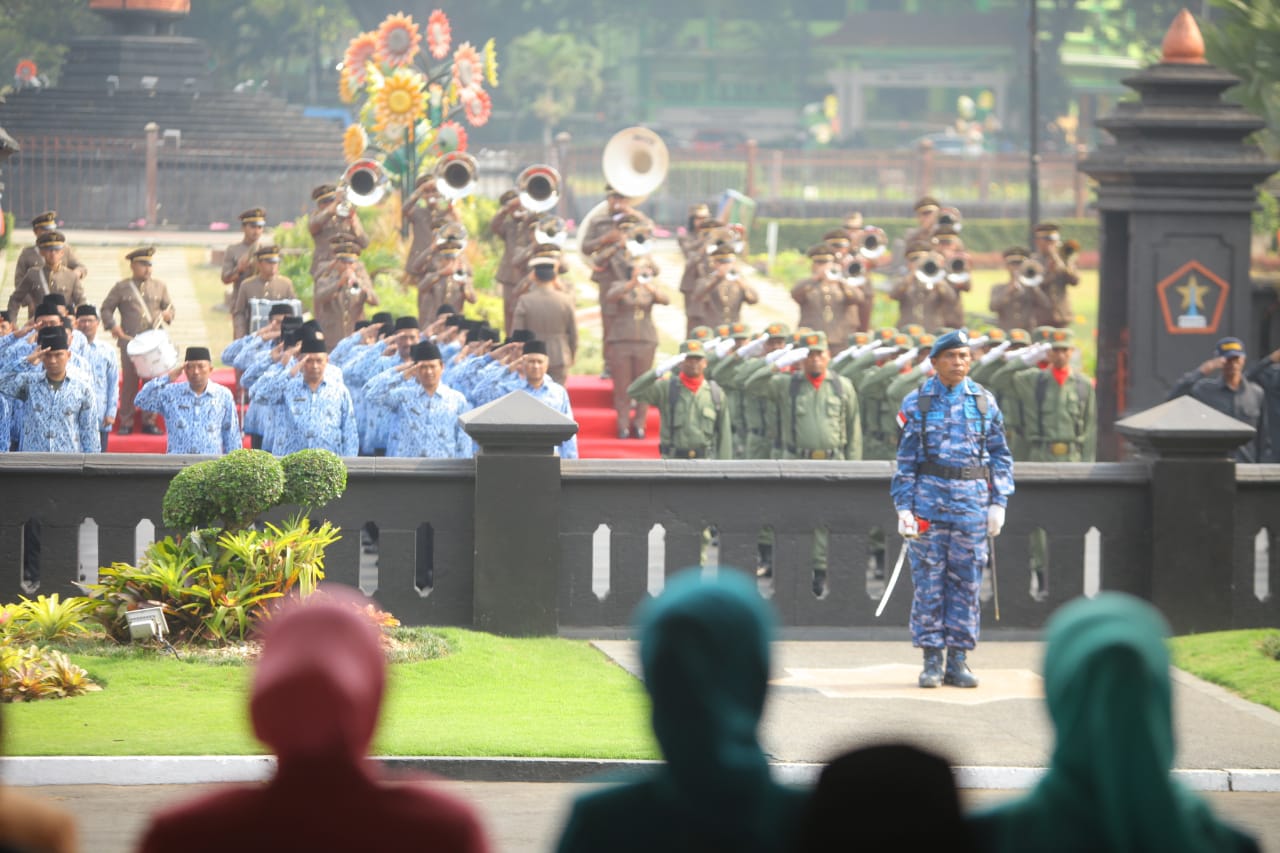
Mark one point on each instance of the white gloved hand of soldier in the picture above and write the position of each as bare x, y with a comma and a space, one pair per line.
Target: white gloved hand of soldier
796, 356
995, 520
753, 349
668, 364
995, 353
907, 527
723, 347
905, 359
1032, 354
772, 358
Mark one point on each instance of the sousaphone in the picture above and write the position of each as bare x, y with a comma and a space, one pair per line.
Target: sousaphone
635, 162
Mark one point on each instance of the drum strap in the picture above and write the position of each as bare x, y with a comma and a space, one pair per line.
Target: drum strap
137, 294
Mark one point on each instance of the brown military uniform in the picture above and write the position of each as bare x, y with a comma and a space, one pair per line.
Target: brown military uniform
336, 308
279, 287
550, 315
830, 306
141, 306
29, 258
718, 300
442, 288
325, 226
633, 341
922, 305
509, 226
39, 282
1057, 278
231, 259
1017, 306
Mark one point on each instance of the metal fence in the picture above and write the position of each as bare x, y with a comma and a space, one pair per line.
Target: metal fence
102, 183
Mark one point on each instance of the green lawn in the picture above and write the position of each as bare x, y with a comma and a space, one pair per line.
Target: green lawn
490, 696
1234, 660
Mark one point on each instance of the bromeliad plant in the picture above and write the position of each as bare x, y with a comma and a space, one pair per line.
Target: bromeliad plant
216, 583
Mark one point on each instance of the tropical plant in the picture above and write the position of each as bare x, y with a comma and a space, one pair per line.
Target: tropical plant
47, 618
28, 673
244, 484
216, 594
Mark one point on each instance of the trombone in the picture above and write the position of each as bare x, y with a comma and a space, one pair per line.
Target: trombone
364, 184
949, 217
1031, 273
874, 243
958, 268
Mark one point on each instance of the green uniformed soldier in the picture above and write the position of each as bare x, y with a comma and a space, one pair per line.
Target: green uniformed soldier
1058, 407
721, 367
872, 386
997, 339
695, 416
818, 418
760, 416
1000, 383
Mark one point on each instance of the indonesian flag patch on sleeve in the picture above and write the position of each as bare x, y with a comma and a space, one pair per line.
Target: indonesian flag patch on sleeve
902, 419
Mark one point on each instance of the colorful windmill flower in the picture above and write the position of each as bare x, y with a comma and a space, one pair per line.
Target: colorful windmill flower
398, 40
439, 36
346, 88
354, 142
491, 63
468, 70
478, 107
451, 137
401, 101
359, 52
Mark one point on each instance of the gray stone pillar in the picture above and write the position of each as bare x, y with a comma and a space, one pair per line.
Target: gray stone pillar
1193, 492
1175, 193
517, 514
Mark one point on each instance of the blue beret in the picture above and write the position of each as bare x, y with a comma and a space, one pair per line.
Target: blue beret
951, 340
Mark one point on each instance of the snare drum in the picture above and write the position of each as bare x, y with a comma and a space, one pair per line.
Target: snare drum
152, 353
260, 310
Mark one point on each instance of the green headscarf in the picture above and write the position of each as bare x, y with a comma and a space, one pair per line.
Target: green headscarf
1108, 788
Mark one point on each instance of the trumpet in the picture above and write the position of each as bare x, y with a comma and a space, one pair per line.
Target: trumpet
949, 217
856, 272
1031, 273
958, 268
931, 270
638, 244
550, 228
456, 175
874, 243
539, 188
363, 184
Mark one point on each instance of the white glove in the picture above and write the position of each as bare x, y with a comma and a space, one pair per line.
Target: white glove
794, 357
754, 348
1033, 354
907, 527
979, 341
668, 364
772, 358
995, 353
883, 352
905, 358
995, 520
927, 368
723, 348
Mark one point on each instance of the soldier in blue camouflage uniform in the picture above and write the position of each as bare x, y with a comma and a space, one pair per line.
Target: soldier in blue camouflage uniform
200, 415
105, 364
61, 411
425, 411
315, 411
954, 472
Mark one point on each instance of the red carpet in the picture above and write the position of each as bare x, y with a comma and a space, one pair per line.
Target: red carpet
591, 396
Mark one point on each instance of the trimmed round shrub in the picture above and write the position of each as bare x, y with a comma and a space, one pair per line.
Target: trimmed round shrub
312, 478
243, 484
187, 503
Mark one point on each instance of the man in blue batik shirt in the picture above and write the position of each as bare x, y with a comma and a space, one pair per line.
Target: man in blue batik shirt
61, 414
314, 412
953, 481
200, 415
104, 361
536, 383
424, 412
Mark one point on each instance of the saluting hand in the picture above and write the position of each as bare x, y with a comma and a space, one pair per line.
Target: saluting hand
1212, 366
177, 371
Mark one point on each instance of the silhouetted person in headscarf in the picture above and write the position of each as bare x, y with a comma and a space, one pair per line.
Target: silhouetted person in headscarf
315, 700
887, 797
705, 652
1106, 680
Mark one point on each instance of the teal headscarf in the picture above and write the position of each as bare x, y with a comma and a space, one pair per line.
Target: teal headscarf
1108, 788
704, 649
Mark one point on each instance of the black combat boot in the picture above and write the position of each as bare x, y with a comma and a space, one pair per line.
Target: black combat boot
931, 675
958, 674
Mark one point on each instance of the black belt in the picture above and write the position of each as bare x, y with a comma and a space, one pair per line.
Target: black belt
814, 454
946, 472
685, 452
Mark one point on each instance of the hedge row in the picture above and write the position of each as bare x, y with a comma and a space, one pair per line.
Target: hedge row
980, 235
